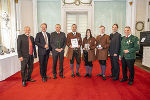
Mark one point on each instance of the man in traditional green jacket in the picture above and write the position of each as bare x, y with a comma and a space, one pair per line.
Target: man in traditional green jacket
129, 46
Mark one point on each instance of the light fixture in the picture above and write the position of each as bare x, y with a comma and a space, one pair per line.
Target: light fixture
130, 2
16, 1
149, 2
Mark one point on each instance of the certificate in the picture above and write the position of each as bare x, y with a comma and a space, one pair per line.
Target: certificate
74, 43
86, 46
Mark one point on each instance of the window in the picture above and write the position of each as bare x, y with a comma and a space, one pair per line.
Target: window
80, 19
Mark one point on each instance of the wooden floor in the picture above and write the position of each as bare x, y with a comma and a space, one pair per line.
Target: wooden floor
138, 62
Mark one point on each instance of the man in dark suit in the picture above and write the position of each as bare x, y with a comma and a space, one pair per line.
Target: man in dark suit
58, 43
115, 43
25, 48
42, 40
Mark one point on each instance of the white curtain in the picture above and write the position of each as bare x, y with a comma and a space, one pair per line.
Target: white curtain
8, 24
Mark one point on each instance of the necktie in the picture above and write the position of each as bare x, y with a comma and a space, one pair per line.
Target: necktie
58, 34
58, 41
30, 46
126, 37
45, 37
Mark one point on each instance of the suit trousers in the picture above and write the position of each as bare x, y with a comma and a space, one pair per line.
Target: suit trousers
55, 56
43, 60
130, 64
115, 68
26, 67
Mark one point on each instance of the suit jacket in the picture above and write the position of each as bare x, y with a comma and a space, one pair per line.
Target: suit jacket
23, 46
104, 41
40, 42
58, 42
130, 44
115, 44
70, 50
91, 52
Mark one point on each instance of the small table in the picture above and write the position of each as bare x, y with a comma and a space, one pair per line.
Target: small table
9, 65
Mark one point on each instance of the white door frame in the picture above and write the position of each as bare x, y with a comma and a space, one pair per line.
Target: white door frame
73, 8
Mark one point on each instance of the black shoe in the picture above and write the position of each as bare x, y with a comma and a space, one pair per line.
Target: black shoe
90, 75
48, 77
31, 80
78, 74
23, 83
72, 75
54, 77
115, 79
86, 75
104, 78
44, 79
130, 83
99, 74
109, 76
123, 80
62, 76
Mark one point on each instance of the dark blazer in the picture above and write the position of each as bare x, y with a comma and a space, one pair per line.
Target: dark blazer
40, 42
115, 43
23, 46
54, 40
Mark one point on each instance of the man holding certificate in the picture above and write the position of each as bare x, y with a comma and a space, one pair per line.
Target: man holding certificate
74, 43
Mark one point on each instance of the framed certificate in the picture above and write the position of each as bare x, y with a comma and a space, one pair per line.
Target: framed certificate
74, 43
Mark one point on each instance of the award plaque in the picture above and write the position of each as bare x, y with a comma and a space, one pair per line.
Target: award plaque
99, 46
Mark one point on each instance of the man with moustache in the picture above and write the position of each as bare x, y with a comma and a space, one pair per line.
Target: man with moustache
129, 46
26, 54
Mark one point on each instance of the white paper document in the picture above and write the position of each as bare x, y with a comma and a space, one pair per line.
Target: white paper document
74, 43
143, 39
87, 46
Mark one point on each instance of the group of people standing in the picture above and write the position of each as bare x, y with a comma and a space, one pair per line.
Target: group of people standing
93, 49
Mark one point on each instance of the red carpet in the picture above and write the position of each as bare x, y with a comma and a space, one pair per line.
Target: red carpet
76, 88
